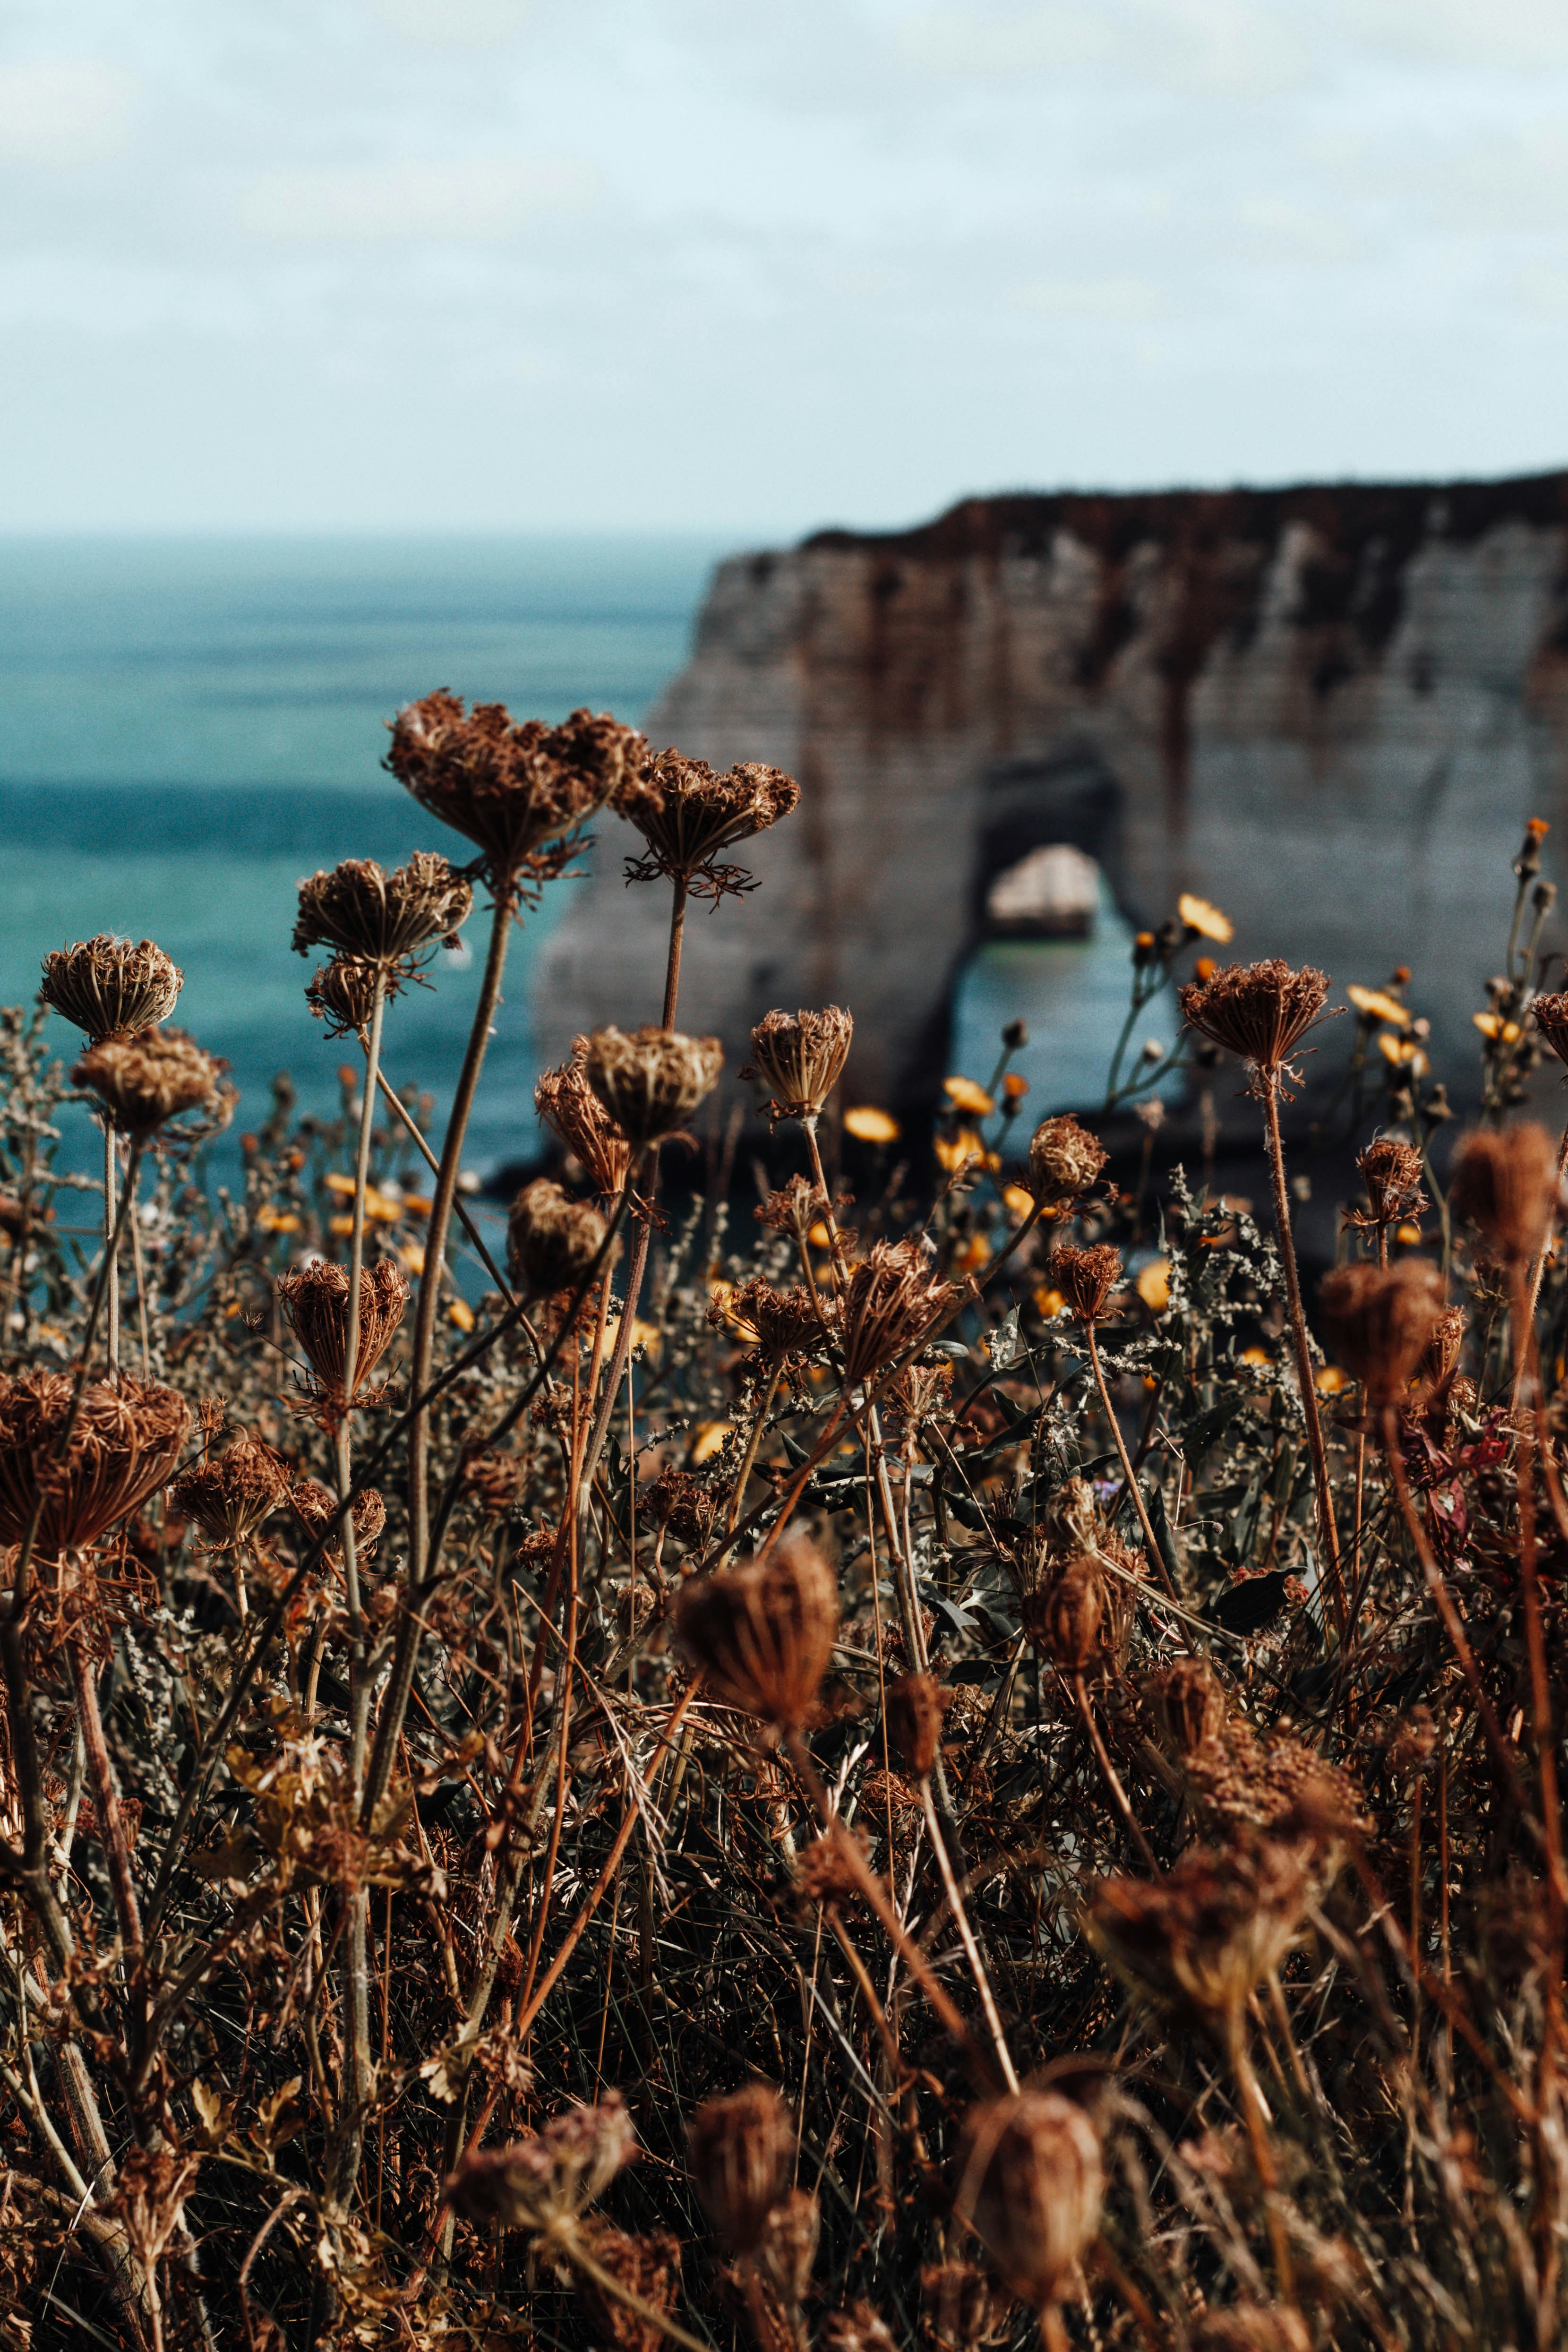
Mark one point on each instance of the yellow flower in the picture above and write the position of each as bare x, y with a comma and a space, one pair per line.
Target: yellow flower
1049, 1302
870, 1126
708, 1438
1408, 1233
458, 1311
343, 1185
956, 1152
1153, 1284
1329, 1380
643, 1335
1377, 1005
1491, 1025
966, 1095
1403, 1053
1019, 1202
413, 1256
977, 1252
277, 1220
1256, 1356
1200, 917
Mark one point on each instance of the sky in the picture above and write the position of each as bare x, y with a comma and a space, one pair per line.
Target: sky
757, 265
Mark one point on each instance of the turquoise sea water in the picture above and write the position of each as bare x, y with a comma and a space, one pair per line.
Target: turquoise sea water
188, 727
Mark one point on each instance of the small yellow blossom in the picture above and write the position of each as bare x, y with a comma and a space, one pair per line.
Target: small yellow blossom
1018, 1200
1403, 1053
1256, 1356
1049, 1302
1329, 1380
868, 1125
959, 1152
1200, 917
279, 1221
1408, 1233
1491, 1025
708, 1438
1153, 1284
966, 1095
1377, 1004
458, 1311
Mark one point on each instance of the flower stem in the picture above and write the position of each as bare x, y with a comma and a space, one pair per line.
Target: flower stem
1328, 1535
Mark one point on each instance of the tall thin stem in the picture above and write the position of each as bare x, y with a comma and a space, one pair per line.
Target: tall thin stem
1328, 1533
1526, 1320
110, 1243
971, 1949
1156, 1557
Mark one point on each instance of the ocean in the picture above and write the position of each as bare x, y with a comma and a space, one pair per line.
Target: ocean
189, 726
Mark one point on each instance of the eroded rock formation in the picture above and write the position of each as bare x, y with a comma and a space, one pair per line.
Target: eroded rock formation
1330, 710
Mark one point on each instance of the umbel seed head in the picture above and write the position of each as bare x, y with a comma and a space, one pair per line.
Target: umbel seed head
916, 1706
959, 2309
1379, 1321
1259, 1011
1392, 1171
763, 1635
801, 1056
1506, 1185
148, 1077
1063, 1621
316, 1300
569, 1107
511, 789
552, 1241
1188, 1699
231, 1494
740, 2150
1064, 1160
1085, 1277
124, 1445
382, 919
343, 994
650, 1081
893, 1302
686, 813
316, 1507
1197, 1941
1550, 1014
545, 2181
104, 986
1030, 2184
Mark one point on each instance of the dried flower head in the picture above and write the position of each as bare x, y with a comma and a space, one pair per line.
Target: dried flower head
825, 1869
793, 1210
650, 1081
1391, 1171
787, 2247
891, 1304
1197, 1941
231, 1494
687, 1506
343, 994
1506, 1185
740, 2148
858, 2327
650, 2267
763, 1635
569, 1107
1259, 1011
316, 1300
149, 1076
104, 986
777, 1323
542, 2183
511, 789
552, 1241
686, 813
1550, 1014
124, 1445
1379, 1320
380, 918
1085, 1277
1440, 1356
801, 1056
1064, 1160
1188, 1704
1065, 1619
959, 2309
916, 1706
1030, 2183
316, 1507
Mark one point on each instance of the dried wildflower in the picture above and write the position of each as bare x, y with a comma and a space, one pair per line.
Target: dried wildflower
686, 813
124, 1445
1085, 1277
544, 2182
316, 1300
552, 1241
1064, 1620
1550, 1014
106, 986
959, 2309
1030, 2183
825, 1870
858, 2327
1439, 1358
1064, 1160
569, 1107
1197, 1941
651, 1082
650, 2267
383, 920
763, 1635
794, 1210
1259, 1011
916, 1706
1188, 1701
151, 1076
1391, 1171
1379, 1321
787, 2246
1506, 1185
801, 1056
893, 1302
740, 2150
511, 789
688, 1506
317, 1509
231, 1494
779, 1323
343, 994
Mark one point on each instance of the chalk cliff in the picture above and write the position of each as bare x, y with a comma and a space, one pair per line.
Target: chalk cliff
1328, 709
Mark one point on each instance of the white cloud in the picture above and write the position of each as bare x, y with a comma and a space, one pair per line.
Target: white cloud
1518, 33
1220, 48
459, 23
1125, 300
481, 198
65, 110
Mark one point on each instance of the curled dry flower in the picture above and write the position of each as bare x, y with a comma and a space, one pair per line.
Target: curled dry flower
1065, 1619
1550, 1014
152, 1076
343, 994
1379, 1321
569, 1107
1198, 1940
543, 2182
959, 2309
124, 1445
892, 1302
688, 1506
1506, 1185
787, 2246
1030, 2182
1188, 1701
686, 813
510, 789
779, 1323
1064, 1160
914, 1709
106, 985
316, 1507
316, 1300
1391, 1171
793, 1210
1085, 1277
801, 1056
650, 1081
380, 918
1440, 1356
648, 2267
740, 2150
231, 1494
552, 1240
1259, 1011
763, 1635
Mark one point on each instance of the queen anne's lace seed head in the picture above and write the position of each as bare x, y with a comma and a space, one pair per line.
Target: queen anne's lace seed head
740, 2150
1064, 1160
1379, 1321
650, 1081
317, 1509
544, 2182
1506, 1185
686, 813
1197, 1941
763, 1633
891, 1303
231, 1494
569, 1107
125, 1442
383, 920
552, 1241
801, 1056
316, 1300
148, 1077
106, 985
509, 789
1031, 2183
1259, 1011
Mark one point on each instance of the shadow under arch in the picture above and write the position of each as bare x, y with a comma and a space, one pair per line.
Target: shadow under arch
1066, 794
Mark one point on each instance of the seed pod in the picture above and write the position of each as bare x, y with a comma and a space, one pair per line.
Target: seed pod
1440, 1356
777, 1323
1031, 2183
569, 1106
801, 1056
317, 1510
916, 1706
1259, 1011
891, 1303
1188, 1702
763, 1635
382, 919
1198, 1940
1064, 1620
316, 1300
125, 1442
686, 813
652, 1081
1064, 1160
1379, 1320
1085, 1277
548, 2178
106, 986
1550, 1014
511, 789
740, 2148
343, 994
650, 2266
787, 2246
1392, 1171
1506, 1184
552, 1241
960, 2310
231, 1494
149, 1076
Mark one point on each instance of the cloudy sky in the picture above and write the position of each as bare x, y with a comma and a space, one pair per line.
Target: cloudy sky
753, 264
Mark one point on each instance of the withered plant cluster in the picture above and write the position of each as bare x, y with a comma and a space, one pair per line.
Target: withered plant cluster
949, 1769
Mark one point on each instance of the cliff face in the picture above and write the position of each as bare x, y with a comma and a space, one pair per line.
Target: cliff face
1329, 709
